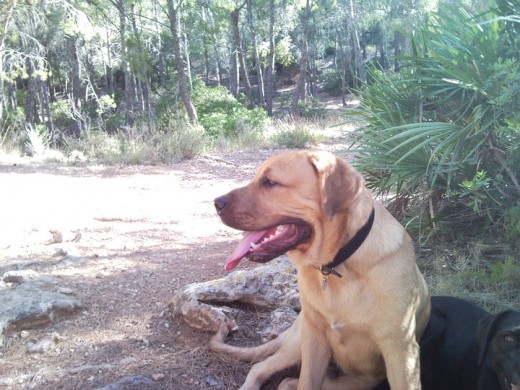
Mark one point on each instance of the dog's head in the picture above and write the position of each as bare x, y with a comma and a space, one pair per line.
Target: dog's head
290, 197
499, 340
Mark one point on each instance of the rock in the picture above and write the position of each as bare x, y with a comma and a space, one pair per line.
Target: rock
46, 344
26, 306
210, 381
57, 236
158, 377
20, 276
202, 305
130, 382
279, 320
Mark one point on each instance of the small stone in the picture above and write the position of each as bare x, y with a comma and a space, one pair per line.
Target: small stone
158, 377
60, 253
210, 381
41, 346
57, 236
66, 290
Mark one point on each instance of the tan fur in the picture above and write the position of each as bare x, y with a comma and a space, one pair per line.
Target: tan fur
367, 321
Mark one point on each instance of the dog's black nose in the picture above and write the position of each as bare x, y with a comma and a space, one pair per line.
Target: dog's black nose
220, 203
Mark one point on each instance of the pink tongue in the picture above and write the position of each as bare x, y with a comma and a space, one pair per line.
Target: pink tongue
242, 249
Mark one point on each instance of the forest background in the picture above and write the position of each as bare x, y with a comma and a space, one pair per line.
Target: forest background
438, 85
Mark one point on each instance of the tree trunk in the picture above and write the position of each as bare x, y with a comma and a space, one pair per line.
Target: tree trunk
260, 77
129, 80
46, 111
30, 99
186, 46
271, 71
300, 91
398, 49
356, 48
233, 71
237, 48
207, 66
218, 64
75, 82
343, 66
174, 16
6, 12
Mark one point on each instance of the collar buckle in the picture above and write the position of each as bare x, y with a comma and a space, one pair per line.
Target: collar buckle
326, 270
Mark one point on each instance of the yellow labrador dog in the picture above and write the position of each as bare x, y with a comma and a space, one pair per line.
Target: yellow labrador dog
364, 301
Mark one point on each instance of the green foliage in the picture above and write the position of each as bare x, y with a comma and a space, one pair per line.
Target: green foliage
439, 134
512, 224
173, 140
295, 134
12, 130
501, 279
222, 115
284, 51
475, 191
294, 139
485, 274
61, 113
313, 108
331, 81
177, 141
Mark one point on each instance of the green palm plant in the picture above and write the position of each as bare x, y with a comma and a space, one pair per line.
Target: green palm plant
440, 123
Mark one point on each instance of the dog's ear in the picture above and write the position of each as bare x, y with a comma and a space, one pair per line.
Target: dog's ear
340, 184
486, 329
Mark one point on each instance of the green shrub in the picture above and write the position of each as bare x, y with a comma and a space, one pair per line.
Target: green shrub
331, 81
294, 139
61, 114
220, 114
442, 134
486, 274
173, 140
12, 130
313, 108
295, 134
177, 141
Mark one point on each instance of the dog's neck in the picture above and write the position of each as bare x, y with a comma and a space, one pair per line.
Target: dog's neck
349, 248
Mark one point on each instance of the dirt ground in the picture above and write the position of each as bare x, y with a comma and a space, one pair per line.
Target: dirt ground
122, 240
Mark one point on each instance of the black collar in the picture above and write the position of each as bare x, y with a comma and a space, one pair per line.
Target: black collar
349, 248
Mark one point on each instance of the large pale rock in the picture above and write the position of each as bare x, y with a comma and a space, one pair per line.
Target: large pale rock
26, 306
203, 305
279, 320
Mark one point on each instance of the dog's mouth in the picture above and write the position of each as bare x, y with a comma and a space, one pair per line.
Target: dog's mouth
265, 245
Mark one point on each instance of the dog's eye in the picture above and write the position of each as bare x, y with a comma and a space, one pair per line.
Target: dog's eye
268, 183
509, 338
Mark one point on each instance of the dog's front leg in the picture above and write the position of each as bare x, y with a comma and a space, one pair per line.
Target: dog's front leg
315, 356
402, 364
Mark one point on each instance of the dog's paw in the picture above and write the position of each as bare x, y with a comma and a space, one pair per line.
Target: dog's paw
288, 384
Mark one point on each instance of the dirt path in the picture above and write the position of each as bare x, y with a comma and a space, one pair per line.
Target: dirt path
122, 240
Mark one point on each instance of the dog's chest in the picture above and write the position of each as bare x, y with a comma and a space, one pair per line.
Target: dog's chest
354, 351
